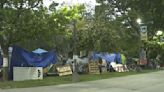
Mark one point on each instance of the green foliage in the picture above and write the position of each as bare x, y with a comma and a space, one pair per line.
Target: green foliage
65, 18
156, 47
18, 20
104, 33
149, 11
29, 24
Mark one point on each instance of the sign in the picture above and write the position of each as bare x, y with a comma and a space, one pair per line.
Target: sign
64, 70
93, 68
27, 73
5, 62
143, 33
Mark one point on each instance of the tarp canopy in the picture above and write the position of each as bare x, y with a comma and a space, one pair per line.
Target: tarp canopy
39, 51
118, 58
113, 57
23, 58
110, 57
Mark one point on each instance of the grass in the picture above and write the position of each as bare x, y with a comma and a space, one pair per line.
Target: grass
56, 80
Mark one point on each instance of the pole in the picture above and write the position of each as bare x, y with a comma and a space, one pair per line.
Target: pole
143, 39
75, 75
74, 38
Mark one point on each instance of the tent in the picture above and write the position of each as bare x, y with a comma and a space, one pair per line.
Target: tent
23, 58
113, 57
39, 51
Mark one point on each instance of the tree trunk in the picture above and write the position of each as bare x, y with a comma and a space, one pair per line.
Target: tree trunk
74, 38
5, 62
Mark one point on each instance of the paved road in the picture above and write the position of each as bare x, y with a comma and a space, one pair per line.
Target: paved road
151, 82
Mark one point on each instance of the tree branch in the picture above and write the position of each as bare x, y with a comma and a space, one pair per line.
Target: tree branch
2, 3
35, 4
19, 9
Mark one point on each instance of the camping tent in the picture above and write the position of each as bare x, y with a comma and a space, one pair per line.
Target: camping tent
23, 58
113, 57
39, 51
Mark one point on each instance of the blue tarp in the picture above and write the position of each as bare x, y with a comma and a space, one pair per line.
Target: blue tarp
113, 57
1, 61
23, 58
110, 57
96, 56
118, 58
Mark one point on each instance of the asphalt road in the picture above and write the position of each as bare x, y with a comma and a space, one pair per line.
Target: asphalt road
150, 82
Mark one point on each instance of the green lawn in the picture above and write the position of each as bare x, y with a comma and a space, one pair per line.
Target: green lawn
56, 80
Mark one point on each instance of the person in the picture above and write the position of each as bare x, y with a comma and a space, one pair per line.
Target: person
100, 65
39, 73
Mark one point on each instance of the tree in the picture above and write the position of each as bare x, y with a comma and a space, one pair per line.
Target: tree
126, 12
74, 15
19, 20
150, 13
152, 16
104, 30
156, 46
29, 24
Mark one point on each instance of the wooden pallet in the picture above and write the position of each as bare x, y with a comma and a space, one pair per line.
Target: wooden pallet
64, 70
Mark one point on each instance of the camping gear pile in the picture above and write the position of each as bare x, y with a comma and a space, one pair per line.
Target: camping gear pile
110, 62
114, 61
47, 62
